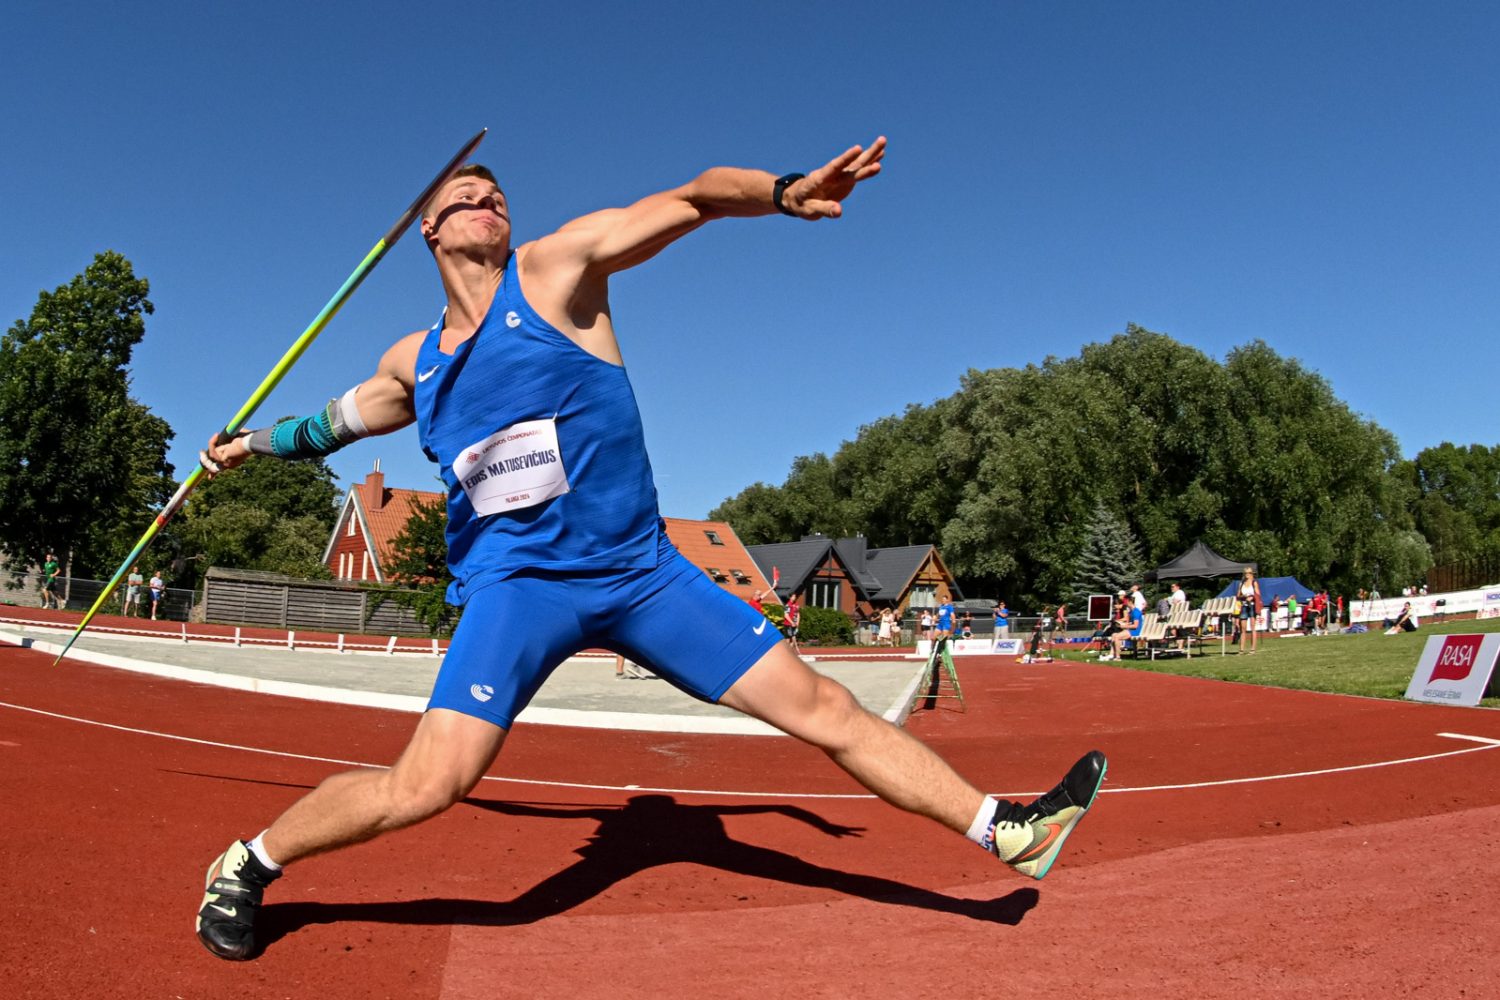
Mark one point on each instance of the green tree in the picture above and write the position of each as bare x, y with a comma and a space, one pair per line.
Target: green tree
419, 566
82, 464
1254, 455
1111, 559
1457, 500
268, 514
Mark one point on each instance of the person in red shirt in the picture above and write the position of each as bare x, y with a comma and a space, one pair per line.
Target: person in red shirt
758, 599
791, 620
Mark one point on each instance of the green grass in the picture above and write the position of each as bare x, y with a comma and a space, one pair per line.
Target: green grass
1372, 664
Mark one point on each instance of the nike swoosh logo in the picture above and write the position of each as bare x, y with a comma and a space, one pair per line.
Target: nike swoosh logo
760, 628
424, 376
228, 911
1053, 830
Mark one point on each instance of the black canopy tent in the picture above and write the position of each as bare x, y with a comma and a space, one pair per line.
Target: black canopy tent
1200, 562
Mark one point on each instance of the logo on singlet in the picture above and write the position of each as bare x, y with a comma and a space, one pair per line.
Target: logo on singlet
512, 320
424, 376
481, 692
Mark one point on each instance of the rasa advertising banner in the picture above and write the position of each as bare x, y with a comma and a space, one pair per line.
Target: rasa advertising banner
1454, 669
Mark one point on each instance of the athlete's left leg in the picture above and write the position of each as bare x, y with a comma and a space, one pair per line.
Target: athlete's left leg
782, 690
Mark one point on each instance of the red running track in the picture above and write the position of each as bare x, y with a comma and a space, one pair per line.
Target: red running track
1375, 881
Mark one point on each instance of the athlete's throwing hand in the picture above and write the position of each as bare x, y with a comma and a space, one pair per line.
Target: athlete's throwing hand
818, 195
217, 458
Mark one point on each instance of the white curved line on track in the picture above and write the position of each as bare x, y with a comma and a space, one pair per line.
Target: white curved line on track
1485, 744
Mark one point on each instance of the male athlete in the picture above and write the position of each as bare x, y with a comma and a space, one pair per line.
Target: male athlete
555, 542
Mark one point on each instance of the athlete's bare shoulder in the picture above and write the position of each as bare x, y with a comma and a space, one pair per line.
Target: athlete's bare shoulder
400, 359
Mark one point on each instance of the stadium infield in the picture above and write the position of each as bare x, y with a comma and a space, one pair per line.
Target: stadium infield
1248, 839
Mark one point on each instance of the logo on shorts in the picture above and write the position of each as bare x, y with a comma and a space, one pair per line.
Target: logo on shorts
512, 320
481, 692
760, 628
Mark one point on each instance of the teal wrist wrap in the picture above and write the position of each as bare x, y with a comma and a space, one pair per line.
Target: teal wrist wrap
310, 437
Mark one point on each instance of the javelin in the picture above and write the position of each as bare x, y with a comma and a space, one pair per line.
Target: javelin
283, 366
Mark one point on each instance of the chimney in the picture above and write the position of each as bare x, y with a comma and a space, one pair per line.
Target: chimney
373, 489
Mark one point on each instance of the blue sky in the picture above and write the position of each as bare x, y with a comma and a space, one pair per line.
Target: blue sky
1320, 176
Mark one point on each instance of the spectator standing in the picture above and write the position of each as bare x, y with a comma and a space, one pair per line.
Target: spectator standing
883, 634
1293, 620
158, 591
1137, 599
791, 620
50, 570
967, 629
927, 624
1248, 597
1002, 622
133, 584
1317, 610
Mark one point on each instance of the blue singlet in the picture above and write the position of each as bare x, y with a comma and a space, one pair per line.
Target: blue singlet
555, 542
517, 368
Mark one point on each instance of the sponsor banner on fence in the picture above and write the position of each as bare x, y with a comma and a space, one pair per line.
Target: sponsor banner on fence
1454, 669
1489, 605
968, 647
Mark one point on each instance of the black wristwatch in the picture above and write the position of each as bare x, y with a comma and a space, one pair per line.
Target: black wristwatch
780, 189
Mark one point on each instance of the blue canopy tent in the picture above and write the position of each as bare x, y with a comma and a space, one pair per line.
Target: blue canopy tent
1274, 586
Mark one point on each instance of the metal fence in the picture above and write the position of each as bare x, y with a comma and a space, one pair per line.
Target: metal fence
79, 594
238, 597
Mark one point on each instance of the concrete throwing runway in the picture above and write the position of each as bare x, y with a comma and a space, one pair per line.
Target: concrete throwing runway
583, 691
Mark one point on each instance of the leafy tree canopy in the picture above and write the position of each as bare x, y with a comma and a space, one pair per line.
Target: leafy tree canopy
82, 464
268, 514
1254, 455
419, 564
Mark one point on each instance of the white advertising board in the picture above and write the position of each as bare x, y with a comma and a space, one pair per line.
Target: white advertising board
1489, 605
969, 647
1454, 669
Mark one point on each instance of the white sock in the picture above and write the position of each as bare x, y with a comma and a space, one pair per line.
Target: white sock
258, 848
979, 830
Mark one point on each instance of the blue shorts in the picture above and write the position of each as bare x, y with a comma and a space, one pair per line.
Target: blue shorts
673, 620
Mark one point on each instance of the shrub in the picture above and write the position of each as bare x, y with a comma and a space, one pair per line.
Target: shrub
826, 627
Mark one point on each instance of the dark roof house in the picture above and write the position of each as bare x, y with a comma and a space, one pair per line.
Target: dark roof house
846, 574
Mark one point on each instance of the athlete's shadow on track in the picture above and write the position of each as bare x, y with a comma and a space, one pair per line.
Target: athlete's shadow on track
649, 830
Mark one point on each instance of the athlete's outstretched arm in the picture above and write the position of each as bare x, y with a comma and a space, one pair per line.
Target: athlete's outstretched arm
378, 405
604, 242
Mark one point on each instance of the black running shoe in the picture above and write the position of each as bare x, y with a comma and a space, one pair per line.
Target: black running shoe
1029, 837
226, 920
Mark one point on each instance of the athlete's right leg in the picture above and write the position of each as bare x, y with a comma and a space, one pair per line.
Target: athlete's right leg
512, 635
445, 759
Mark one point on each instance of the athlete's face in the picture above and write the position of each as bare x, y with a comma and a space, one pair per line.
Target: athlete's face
469, 214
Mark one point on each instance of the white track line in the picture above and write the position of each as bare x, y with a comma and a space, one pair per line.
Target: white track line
1476, 739
1489, 744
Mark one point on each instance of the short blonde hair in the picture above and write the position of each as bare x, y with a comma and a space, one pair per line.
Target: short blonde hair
468, 170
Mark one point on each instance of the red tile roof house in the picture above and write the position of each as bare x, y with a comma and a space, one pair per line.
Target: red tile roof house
373, 515
714, 548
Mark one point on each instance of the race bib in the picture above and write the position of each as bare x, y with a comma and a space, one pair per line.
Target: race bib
512, 469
